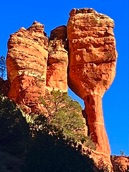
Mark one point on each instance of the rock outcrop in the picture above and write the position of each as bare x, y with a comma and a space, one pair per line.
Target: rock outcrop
92, 63
26, 65
37, 64
120, 163
57, 60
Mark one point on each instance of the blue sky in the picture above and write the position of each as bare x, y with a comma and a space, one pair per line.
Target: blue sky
15, 14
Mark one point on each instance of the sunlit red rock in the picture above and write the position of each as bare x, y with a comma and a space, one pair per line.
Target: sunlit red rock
92, 66
57, 60
120, 163
26, 65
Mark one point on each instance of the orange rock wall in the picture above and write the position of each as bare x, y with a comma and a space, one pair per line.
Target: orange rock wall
35, 64
26, 65
57, 60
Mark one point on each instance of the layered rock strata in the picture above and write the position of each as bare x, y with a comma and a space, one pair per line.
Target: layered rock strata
26, 65
92, 63
57, 60
35, 63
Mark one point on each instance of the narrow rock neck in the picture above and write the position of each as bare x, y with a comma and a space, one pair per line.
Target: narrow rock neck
95, 122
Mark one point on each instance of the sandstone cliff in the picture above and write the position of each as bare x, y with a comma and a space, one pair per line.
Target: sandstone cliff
34, 63
26, 65
120, 163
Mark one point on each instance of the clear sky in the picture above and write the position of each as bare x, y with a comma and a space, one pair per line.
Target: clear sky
15, 14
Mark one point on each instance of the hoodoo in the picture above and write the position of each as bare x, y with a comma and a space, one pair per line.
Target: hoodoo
92, 67
26, 65
57, 60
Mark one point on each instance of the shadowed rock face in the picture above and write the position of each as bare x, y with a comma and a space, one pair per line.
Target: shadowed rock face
4, 87
26, 65
92, 63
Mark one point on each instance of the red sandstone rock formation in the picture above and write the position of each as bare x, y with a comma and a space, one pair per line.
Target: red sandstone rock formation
26, 65
31, 70
120, 163
35, 64
57, 60
92, 62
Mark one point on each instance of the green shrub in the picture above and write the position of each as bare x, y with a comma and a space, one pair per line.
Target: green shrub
50, 141
14, 131
64, 115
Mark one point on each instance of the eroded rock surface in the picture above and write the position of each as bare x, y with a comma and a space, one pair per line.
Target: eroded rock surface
36, 64
26, 65
120, 163
92, 63
57, 60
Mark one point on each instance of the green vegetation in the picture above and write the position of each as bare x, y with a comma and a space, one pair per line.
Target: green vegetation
48, 142
65, 116
14, 131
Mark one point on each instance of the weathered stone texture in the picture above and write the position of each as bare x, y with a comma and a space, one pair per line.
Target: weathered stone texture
92, 52
57, 60
120, 163
26, 64
92, 63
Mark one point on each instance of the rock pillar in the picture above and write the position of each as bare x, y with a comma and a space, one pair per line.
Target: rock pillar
92, 64
95, 122
57, 60
27, 65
